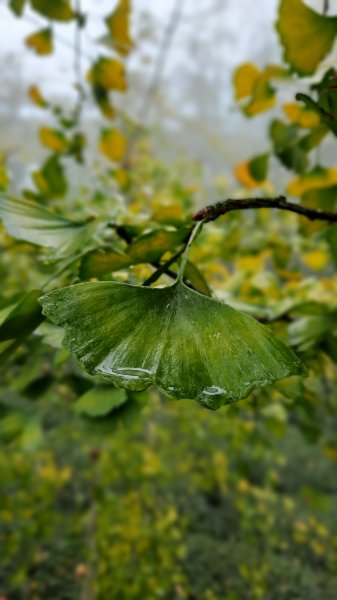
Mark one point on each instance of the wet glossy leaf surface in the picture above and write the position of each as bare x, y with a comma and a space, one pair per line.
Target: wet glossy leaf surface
188, 345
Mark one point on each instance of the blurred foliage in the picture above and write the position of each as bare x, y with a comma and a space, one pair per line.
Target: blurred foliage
111, 494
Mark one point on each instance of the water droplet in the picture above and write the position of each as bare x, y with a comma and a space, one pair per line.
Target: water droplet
214, 391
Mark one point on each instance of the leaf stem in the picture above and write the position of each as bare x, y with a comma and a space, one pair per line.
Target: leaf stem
186, 251
214, 211
164, 268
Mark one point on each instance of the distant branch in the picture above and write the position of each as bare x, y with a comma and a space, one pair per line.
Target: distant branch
326, 6
78, 64
212, 212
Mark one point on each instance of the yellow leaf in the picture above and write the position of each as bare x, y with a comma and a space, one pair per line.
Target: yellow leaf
168, 213
121, 177
109, 73
41, 41
306, 35
244, 79
251, 81
252, 263
331, 452
36, 96
4, 176
118, 25
318, 178
301, 116
316, 260
112, 144
53, 139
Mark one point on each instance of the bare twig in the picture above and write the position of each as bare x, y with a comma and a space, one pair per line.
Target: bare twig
212, 212
326, 6
78, 64
164, 49
157, 75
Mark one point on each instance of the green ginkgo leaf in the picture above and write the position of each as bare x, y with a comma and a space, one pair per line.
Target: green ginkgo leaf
306, 35
186, 344
99, 401
32, 222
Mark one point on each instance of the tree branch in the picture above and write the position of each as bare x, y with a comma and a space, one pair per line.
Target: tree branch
325, 6
212, 212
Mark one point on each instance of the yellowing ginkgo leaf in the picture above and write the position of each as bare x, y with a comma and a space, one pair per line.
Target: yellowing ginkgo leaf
109, 73
118, 25
251, 81
317, 178
251, 263
112, 144
301, 116
316, 260
306, 35
53, 139
244, 79
36, 96
41, 41
244, 176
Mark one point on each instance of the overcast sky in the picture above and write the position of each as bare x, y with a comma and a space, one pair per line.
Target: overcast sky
195, 98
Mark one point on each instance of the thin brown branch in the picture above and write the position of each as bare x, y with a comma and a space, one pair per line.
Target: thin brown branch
212, 212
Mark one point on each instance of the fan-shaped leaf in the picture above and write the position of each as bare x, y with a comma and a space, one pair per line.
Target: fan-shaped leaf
306, 35
32, 222
188, 345
118, 25
41, 41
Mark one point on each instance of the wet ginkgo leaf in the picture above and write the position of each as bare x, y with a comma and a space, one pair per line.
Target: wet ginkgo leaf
186, 344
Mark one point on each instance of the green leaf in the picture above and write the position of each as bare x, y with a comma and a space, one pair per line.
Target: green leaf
50, 180
196, 278
188, 345
150, 246
306, 36
98, 263
313, 139
17, 6
32, 435
327, 113
287, 146
147, 248
32, 222
312, 329
56, 10
331, 237
258, 167
21, 321
100, 401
